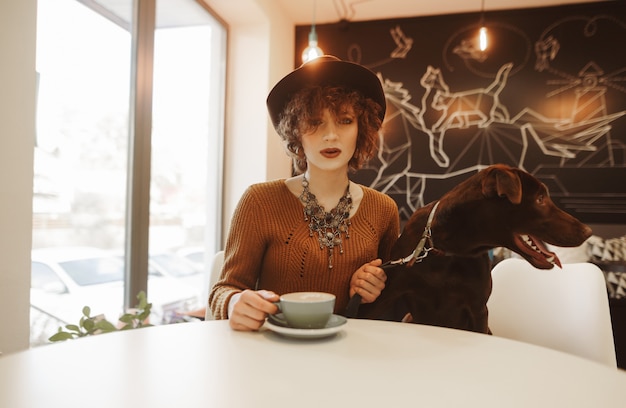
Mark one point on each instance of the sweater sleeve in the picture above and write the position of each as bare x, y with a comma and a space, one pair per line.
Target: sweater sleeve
242, 257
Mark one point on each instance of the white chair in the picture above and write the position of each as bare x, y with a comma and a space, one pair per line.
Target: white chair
216, 270
564, 309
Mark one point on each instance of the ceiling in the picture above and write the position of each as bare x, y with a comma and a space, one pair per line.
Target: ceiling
183, 12
331, 11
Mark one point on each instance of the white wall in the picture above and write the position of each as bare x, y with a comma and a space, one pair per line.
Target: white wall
261, 51
17, 126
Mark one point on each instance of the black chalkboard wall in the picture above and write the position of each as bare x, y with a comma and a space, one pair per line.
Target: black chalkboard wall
548, 96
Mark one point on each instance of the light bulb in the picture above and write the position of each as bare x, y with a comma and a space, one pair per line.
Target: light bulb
312, 51
482, 38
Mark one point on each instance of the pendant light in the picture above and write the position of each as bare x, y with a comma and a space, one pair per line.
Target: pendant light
482, 32
312, 51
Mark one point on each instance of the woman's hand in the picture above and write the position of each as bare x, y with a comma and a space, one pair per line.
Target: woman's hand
251, 309
368, 281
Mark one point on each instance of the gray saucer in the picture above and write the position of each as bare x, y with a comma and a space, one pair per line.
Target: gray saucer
333, 326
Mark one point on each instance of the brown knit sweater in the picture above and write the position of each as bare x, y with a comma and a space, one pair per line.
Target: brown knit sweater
269, 246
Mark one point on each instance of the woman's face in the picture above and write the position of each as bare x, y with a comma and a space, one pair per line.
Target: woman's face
332, 141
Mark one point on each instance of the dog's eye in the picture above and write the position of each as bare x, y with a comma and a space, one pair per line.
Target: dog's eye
540, 198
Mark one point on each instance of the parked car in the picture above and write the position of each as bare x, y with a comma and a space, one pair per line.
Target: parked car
176, 267
64, 280
195, 255
195, 275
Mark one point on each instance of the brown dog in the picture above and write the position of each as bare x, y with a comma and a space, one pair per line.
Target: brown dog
449, 286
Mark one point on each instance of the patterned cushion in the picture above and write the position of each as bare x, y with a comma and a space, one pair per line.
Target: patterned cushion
606, 250
610, 256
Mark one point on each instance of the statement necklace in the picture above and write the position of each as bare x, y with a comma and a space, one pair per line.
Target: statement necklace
328, 225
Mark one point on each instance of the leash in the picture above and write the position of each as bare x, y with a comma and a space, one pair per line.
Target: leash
420, 252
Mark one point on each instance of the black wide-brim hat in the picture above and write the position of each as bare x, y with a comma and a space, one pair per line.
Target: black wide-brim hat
326, 70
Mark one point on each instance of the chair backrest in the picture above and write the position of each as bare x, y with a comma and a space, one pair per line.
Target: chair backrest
216, 270
566, 309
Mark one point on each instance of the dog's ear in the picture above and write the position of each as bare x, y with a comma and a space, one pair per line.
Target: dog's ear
502, 182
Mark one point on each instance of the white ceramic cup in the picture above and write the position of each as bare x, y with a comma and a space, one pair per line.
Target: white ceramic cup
306, 310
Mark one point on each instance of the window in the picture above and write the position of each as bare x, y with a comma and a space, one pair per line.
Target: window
81, 154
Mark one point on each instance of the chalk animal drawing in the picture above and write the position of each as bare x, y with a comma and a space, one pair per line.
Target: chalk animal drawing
476, 107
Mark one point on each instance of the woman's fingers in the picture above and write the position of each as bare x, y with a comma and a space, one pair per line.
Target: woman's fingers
251, 309
369, 281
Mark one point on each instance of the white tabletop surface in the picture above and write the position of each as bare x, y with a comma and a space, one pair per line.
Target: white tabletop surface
366, 364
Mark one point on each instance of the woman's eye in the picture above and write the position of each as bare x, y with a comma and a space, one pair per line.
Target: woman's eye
346, 121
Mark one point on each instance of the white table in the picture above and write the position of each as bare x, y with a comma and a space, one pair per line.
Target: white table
367, 364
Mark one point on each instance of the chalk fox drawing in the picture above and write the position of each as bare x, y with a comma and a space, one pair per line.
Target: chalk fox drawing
476, 107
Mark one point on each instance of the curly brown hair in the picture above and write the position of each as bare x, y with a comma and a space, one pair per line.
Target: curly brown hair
308, 103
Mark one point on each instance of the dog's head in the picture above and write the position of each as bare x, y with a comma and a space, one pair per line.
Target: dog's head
500, 206
530, 217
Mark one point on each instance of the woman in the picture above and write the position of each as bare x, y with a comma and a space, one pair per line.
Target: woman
282, 239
